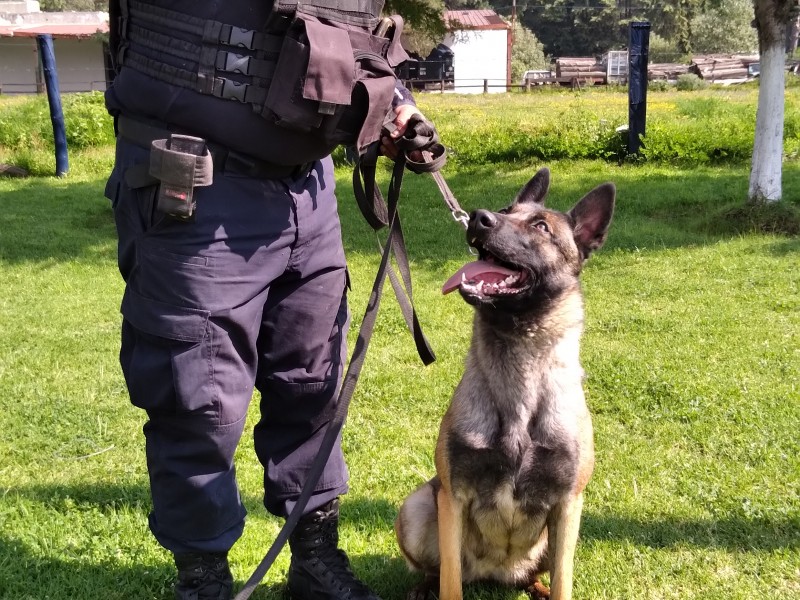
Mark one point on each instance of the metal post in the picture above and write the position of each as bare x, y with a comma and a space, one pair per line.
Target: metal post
48, 58
638, 50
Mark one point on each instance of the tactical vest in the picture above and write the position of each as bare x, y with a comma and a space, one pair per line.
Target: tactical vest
315, 75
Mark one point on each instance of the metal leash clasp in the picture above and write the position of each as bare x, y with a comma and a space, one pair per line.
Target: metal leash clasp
461, 216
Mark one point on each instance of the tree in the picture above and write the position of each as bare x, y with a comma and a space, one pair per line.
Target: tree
792, 36
570, 28
421, 15
526, 53
673, 20
772, 18
726, 28
423, 19
70, 5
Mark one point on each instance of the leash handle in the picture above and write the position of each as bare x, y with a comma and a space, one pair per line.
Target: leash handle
421, 139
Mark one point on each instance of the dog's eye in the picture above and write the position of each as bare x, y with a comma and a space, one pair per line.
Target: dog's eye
542, 226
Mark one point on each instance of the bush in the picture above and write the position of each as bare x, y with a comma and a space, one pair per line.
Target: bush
26, 125
87, 122
658, 85
663, 50
689, 82
702, 128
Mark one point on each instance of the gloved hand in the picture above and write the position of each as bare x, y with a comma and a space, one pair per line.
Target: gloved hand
416, 137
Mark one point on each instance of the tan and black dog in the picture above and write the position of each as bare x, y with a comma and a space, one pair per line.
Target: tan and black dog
515, 448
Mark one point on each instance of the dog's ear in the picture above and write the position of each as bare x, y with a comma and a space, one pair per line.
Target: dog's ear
536, 189
592, 216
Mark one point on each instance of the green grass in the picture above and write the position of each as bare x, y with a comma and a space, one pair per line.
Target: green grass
692, 354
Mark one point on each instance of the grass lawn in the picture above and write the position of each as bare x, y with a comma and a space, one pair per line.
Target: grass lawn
692, 354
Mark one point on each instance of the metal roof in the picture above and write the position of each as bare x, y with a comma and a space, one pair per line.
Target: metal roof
59, 30
59, 25
474, 19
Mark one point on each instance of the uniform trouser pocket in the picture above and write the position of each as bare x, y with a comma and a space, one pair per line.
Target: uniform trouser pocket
166, 356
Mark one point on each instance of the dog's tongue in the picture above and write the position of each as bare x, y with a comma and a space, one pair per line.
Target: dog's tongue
479, 270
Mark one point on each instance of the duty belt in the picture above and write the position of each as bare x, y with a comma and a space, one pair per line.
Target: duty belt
144, 132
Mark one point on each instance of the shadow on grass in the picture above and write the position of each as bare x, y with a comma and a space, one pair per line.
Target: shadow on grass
734, 533
65, 573
45, 219
26, 574
786, 246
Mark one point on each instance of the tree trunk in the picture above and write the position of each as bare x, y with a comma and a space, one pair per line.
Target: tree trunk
792, 34
772, 17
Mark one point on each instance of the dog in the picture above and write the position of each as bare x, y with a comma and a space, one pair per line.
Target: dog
515, 448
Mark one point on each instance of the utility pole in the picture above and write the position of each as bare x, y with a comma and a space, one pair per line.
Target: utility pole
510, 50
513, 14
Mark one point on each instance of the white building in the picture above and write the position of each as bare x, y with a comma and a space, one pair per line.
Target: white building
481, 45
78, 43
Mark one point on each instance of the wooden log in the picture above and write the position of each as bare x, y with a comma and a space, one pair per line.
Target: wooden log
583, 74
726, 74
576, 61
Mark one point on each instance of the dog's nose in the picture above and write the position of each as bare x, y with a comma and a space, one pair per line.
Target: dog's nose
482, 220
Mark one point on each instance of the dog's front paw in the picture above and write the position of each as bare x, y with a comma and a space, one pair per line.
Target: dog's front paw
429, 588
538, 591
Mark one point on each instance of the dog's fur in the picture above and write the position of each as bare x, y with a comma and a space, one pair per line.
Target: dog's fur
515, 448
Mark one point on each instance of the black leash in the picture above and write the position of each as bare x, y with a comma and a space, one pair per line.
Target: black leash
378, 214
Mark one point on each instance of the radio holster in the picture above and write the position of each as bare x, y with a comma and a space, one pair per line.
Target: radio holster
180, 163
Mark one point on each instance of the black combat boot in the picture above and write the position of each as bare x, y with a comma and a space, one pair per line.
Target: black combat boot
319, 569
203, 577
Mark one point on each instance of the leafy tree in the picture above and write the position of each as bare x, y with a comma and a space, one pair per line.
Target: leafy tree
526, 53
663, 50
420, 15
76, 5
574, 28
466, 4
726, 28
671, 19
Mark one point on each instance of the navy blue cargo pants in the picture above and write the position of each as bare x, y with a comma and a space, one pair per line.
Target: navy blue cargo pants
249, 293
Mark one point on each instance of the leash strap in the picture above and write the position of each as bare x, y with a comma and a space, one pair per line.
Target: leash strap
375, 211
422, 137
380, 215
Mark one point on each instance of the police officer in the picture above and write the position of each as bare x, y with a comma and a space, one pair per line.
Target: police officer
235, 275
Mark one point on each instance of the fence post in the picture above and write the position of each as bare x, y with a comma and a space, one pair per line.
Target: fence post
639, 35
48, 58
485, 86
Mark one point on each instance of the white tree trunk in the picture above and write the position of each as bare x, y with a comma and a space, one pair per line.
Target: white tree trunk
766, 169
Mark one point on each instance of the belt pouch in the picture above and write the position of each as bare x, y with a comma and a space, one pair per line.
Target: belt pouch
314, 75
180, 163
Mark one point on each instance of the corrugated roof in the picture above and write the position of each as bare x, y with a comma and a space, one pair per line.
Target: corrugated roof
69, 24
57, 30
474, 19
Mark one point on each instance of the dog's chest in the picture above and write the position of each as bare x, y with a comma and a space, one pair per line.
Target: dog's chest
516, 468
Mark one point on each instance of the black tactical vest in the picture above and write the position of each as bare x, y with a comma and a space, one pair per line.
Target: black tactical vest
284, 85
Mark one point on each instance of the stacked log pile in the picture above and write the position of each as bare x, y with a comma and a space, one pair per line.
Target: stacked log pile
666, 71
721, 67
579, 68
